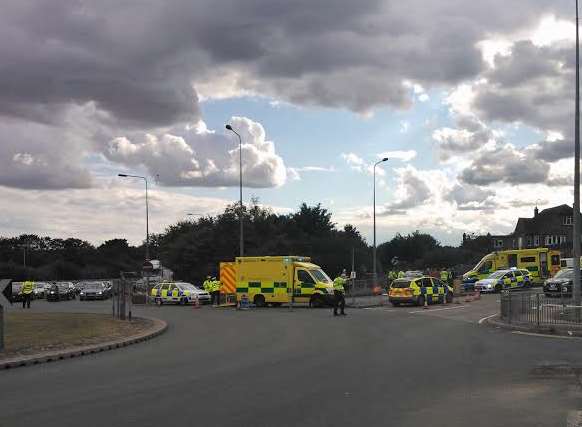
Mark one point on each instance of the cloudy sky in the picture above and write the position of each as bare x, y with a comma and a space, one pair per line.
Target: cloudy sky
471, 101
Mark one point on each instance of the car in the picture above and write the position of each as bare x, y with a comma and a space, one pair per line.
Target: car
178, 293
94, 291
60, 292
16, 293
413, 273
504, 279
560, 284
418, 290
39, 290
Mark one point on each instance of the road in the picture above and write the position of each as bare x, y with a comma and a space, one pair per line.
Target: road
273, 367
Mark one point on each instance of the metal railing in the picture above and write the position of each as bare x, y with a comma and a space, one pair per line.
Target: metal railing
538, 309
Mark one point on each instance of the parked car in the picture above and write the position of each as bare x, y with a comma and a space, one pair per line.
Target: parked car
560, 284
504, 279
40, 290
413, 273
178, 293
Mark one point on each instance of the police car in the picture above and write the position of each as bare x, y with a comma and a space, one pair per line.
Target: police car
504, 279
418, 290
178, 293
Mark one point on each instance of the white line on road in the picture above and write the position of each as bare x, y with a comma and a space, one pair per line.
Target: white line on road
486, 317
533, 334
436, 309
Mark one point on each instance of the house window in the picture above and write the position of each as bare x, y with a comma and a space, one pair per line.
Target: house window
536, 241
498, 243
529, 241
562, 239
568, 220
553, 240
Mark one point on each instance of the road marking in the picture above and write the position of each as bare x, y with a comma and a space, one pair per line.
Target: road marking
533, 334
436, 309
379, 308
486, 317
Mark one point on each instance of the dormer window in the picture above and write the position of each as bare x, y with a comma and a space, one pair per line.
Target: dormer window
568, 220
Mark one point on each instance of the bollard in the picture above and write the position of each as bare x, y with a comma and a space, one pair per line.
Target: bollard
426, 302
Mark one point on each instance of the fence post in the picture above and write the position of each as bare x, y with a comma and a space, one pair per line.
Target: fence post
538, 308
508, 307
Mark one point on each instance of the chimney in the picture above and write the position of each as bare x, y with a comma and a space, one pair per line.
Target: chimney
536, 211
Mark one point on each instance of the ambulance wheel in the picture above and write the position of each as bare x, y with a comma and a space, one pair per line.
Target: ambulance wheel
259, 301
449, 297
420, 300
498, 288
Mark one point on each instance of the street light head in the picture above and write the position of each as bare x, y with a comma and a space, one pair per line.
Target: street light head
229, 127
122, 175
385, 159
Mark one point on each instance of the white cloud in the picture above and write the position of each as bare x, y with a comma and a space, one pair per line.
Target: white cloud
404, 126
358, 164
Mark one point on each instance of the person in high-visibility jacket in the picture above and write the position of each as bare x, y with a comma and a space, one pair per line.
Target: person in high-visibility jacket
400, 274
27, 290
206, 284
215, 292
338, 292
444, 276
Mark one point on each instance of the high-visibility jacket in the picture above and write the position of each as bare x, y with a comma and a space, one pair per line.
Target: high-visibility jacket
216, 285
444, 275
206, 285
27, 287
400, 274
338, 284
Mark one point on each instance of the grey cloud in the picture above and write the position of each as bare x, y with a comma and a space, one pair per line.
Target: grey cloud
415, 192
468, 137
551, 151
470, 197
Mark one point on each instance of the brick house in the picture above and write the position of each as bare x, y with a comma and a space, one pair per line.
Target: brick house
551, 228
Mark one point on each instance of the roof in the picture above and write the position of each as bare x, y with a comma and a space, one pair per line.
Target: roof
543, 221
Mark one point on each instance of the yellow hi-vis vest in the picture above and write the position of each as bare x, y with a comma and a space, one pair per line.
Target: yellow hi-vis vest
338, 284
206, 285
444, 275
27, 287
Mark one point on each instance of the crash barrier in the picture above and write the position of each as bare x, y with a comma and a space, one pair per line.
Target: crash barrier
537, 309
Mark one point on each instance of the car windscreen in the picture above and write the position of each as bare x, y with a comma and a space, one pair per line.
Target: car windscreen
320, 276
401, 284
564, 274
497, 275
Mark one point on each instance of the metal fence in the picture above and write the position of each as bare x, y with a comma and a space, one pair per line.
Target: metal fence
537, 309
366, 287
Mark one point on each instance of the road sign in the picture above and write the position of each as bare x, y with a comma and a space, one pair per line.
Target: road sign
353, 275
5, 292
147, 266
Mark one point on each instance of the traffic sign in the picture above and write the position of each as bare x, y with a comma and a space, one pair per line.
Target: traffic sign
5, 292
147, 266
353, 275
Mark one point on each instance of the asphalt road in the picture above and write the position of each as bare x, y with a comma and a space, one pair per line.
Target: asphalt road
273, 367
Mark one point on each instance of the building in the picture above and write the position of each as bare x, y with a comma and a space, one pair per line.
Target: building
551, 228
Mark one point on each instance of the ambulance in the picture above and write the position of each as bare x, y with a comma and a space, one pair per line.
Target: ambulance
540, 262
276, 280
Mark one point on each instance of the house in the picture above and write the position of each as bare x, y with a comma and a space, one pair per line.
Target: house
550, 228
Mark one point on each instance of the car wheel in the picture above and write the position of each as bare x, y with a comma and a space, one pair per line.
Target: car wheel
184, 301
420, 300
259, 301
498, 288
449, 297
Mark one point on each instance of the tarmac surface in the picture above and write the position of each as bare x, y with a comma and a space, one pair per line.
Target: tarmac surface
380, 366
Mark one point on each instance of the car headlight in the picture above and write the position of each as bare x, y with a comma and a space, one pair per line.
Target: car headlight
99, 293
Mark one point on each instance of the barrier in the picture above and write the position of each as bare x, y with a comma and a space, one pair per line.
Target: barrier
244, 302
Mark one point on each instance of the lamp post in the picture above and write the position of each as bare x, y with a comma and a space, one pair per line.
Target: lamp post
123, 175
576, 237
375, 274
241, 245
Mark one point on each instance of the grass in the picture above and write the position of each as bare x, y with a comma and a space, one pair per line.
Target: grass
29, 333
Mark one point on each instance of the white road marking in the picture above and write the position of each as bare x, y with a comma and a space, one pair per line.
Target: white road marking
486, 317
436, 309
533, 334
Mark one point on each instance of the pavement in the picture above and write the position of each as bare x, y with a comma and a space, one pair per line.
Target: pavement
379, 366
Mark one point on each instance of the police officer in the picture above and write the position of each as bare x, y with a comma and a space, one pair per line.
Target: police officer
400, 274
206, 284
338, 292
445, 276
27, 290
215, 292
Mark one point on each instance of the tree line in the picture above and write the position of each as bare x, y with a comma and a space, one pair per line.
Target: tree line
193, 249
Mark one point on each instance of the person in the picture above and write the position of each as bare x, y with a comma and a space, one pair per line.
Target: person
400, 274
206, 284
215, 292
27, 290
338, 292
444, 276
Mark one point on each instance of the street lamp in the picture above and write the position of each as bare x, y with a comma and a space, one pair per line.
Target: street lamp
374, 254
576, 237
229, 127
123, 175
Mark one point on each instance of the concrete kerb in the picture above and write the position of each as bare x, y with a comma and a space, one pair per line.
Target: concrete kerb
158, 328
559, 330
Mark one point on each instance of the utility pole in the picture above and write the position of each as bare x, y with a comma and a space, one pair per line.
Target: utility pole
576, 237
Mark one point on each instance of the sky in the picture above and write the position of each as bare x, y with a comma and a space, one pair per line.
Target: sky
471, 102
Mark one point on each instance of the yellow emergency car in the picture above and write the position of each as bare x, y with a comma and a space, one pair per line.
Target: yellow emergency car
417, 290
277, 280
178, 293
